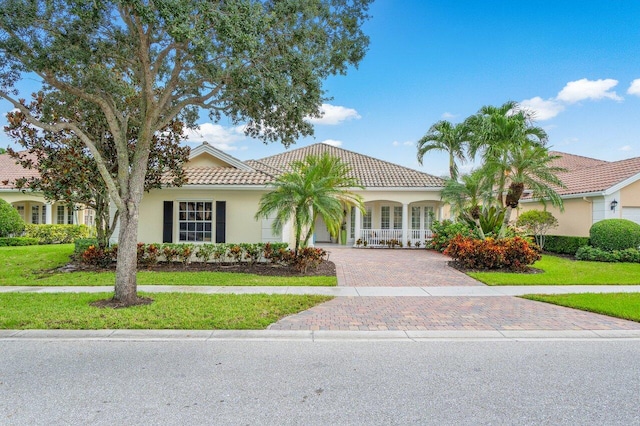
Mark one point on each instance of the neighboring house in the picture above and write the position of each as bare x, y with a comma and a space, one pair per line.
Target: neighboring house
220, 200
31, 205
595, 190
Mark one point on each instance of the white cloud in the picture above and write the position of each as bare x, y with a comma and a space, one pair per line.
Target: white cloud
576, 91
625, 148
542, 109
634, 89
332, 142
333, 114
219, 136
406, 143
448, 116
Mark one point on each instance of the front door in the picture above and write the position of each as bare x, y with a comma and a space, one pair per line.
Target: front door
322, 234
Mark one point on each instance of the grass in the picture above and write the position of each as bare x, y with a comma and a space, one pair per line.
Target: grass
620, 305
27, 266
19, 311
562, 271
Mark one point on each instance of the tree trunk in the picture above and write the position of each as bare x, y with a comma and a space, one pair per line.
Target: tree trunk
126, 268
505, 222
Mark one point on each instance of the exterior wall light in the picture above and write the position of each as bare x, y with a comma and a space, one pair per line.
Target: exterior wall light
614, 204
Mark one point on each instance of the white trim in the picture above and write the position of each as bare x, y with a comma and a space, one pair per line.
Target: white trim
215, 152
402, 188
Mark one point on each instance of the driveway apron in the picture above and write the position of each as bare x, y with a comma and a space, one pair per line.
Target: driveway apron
422, 268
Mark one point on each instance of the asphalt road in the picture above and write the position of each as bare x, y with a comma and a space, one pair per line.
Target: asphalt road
57, 382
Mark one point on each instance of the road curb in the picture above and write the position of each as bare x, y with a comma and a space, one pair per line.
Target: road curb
318, 335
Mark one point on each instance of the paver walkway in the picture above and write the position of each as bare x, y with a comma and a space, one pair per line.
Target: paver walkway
394, 268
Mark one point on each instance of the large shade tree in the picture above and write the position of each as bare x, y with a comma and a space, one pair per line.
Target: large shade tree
447, 137
317, 186
144, 64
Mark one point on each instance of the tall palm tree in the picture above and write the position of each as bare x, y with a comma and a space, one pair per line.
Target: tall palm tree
495, 131
444, 136
318, 185
527, 165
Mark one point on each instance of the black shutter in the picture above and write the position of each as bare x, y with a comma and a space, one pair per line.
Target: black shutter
167, 224
221, 221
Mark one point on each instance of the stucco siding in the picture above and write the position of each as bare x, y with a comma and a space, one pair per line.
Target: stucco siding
630, 195
241, 206
576, 220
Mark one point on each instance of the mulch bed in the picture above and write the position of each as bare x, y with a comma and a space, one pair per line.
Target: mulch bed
459, 267
326, 268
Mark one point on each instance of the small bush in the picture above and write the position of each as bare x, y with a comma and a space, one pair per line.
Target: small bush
444, 232
147, 254
595, 254
563, 244
56, 234
11, 222
82, 244
514, 254
18, 241
615, 234
96, 256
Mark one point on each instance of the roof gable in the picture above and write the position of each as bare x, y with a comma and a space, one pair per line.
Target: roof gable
206, 155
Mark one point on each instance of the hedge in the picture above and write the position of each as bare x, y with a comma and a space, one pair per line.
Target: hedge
56, 234
563, 244
615, 234
18, 241
629, 255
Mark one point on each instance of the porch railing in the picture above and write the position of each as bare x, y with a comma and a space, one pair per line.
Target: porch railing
391, 237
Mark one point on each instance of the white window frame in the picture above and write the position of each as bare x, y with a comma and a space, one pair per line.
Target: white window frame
367, 218
192, 222
385, 217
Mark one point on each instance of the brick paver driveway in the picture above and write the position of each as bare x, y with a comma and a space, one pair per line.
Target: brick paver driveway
394, 268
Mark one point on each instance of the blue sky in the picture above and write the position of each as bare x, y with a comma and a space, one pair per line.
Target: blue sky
574, 62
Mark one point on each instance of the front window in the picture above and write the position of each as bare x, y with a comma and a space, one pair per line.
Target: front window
397, 217
35, 214
352, 225
428, 217
366, 219
69, 216
195, 221
385, 217
60, 215
20, 209
415, 218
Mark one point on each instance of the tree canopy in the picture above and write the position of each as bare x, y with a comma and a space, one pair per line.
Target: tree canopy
145, 64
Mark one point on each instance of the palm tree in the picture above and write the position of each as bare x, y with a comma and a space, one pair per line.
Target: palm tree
467, 195
495, 131
527, 165
315, 186
444, 136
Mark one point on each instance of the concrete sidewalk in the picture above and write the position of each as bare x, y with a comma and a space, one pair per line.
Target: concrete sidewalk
445, 291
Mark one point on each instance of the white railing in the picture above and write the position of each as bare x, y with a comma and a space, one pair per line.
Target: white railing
379, 237
391, 237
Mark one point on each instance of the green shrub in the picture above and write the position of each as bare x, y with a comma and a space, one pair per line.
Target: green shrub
82, 244
17, 241
11, 222
615, 234
629, 255
514, 254
57, 234
562, 244
445, 231
538, 223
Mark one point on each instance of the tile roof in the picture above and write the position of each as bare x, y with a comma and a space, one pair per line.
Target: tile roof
585, 175
224, 176
10, 171
371, 172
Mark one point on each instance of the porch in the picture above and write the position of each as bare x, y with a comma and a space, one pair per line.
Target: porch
393, 238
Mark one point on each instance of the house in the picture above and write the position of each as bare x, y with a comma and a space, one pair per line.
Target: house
221, 198
595, 190
32, 206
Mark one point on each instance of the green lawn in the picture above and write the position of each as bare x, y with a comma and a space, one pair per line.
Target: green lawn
20, 311
27, 266
620, 305
562, 271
